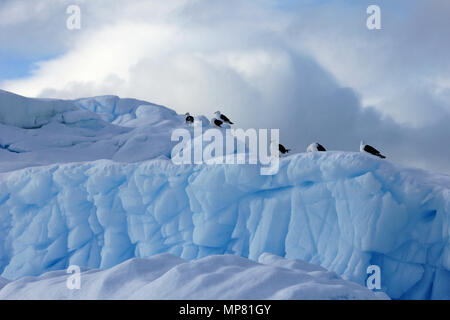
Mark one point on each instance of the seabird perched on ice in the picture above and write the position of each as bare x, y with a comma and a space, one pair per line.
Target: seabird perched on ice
280, 148
189, 119
223, 117
217, 122
369, 149
315, 147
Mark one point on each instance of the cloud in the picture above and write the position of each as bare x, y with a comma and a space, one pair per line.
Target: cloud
300, 69
33, 28
401, 69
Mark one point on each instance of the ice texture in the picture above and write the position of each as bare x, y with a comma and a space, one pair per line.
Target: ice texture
343, 211
105, 127
30, 113
90, 182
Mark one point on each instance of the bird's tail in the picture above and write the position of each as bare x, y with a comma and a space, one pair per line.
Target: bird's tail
287, 150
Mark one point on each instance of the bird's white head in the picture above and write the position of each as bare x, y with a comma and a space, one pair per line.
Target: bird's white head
187, 114
217, 112
361, 146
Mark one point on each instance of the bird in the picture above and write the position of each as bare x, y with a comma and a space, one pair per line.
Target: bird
217, 122
369, 149
315, 147
281, 149
189, 119
223, 117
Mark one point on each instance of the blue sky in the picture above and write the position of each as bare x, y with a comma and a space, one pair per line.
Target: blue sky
312, 67
12, 67
15, 65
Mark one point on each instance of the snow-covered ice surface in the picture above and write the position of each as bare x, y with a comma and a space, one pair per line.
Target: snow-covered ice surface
166, 276
3, 282
93, 185
124, 130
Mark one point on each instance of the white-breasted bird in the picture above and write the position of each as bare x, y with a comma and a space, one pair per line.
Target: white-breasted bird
315, 146
222, 117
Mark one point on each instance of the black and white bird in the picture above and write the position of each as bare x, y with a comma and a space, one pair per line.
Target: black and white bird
189, 119
313, 147
369, 149
222, 117
280, 148
217, 122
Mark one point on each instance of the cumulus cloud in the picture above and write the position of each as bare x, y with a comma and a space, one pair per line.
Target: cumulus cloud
400, 69
314, 71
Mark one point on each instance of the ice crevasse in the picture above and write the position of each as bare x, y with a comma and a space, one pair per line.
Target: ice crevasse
341, 210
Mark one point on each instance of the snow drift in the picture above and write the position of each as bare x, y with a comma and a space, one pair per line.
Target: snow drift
341, 210
166, 276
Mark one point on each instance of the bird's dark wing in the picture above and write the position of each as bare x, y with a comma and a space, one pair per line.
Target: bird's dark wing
225, 118
283, 149
320, 147
190, 119
371, 149
218, 123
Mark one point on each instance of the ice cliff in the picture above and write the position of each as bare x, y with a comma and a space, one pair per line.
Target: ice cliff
61, 205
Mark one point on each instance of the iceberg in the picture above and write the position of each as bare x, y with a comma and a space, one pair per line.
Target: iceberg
343, 211
94, 187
